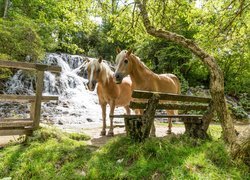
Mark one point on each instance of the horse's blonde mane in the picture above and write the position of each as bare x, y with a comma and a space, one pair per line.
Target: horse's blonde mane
120, 56
105, 70
138, 60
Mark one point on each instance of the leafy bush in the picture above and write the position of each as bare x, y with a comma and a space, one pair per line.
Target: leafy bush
239, 112
244, 101
19, 39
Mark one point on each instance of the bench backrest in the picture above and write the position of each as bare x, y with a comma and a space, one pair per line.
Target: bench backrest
170, 101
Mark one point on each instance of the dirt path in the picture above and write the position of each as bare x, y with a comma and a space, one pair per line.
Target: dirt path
96, 140
6, 139
94, 132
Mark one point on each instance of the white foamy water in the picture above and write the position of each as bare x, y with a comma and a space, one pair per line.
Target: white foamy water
77, 107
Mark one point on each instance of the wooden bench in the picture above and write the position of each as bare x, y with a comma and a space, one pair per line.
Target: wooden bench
138, 126
11, 126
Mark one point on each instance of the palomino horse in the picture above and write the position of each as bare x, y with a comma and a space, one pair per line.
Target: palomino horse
107, 90
144, 79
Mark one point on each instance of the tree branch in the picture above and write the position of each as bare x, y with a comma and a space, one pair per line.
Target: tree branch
6, 4
216, 75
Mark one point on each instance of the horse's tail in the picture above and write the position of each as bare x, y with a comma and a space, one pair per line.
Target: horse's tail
176, 81
178, 84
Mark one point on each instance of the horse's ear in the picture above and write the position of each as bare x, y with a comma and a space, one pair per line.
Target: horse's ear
87, 60
129, 52
100, 59
118, 50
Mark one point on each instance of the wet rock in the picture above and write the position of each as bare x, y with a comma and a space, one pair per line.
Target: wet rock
60, 122
65, 105
83, 106
65, 112
89, 120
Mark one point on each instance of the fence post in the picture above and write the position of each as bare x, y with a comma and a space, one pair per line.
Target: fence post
32, 110
39, 90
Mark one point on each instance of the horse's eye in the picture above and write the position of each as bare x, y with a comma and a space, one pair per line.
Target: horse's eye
125, 61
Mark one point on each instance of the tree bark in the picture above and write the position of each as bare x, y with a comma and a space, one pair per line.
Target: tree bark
241, 148
6, 4
216, 75
194, 128
139, 129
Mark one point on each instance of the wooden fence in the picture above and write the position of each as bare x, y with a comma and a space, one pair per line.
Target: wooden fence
11, 126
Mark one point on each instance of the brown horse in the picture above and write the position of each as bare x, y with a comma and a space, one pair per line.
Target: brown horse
108, 91
144, 79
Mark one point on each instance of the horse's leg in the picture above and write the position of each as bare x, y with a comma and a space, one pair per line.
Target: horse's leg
137, 111
127, 109
128, 112
170, 112
103, 132
112, 109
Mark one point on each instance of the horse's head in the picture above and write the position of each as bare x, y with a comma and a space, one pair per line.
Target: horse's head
124, 65
93, 69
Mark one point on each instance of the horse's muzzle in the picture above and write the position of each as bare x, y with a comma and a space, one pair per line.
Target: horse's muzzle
91, 85
118, 78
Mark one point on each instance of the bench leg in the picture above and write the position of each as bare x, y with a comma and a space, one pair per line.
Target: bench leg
126, 125
153, 131
134, 129
194, 128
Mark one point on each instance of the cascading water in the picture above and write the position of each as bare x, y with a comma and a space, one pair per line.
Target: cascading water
76, 106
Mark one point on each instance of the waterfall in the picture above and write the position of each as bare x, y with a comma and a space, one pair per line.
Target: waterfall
76, 104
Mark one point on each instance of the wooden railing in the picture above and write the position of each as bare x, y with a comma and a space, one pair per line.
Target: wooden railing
25, 126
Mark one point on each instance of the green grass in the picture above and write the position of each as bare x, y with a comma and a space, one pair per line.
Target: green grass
52, 154
48, 154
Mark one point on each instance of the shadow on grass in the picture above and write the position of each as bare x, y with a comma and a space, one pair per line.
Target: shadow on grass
51, 154
47, 154
170, 157
98, 142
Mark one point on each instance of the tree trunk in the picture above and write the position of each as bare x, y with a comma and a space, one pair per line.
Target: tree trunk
6, 4
241, 148
194, 128
139, 129
208, 116
216, 75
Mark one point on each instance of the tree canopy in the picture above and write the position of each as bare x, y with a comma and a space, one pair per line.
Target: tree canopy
32, 27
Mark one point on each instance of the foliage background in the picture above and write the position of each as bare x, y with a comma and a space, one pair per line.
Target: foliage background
94, 28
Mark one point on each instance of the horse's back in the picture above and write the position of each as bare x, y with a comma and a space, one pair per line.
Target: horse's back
176, 81
169, 83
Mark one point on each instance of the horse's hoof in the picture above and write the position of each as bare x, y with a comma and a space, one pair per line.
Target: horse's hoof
110, 134
103, 133
152, 135
169, 132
